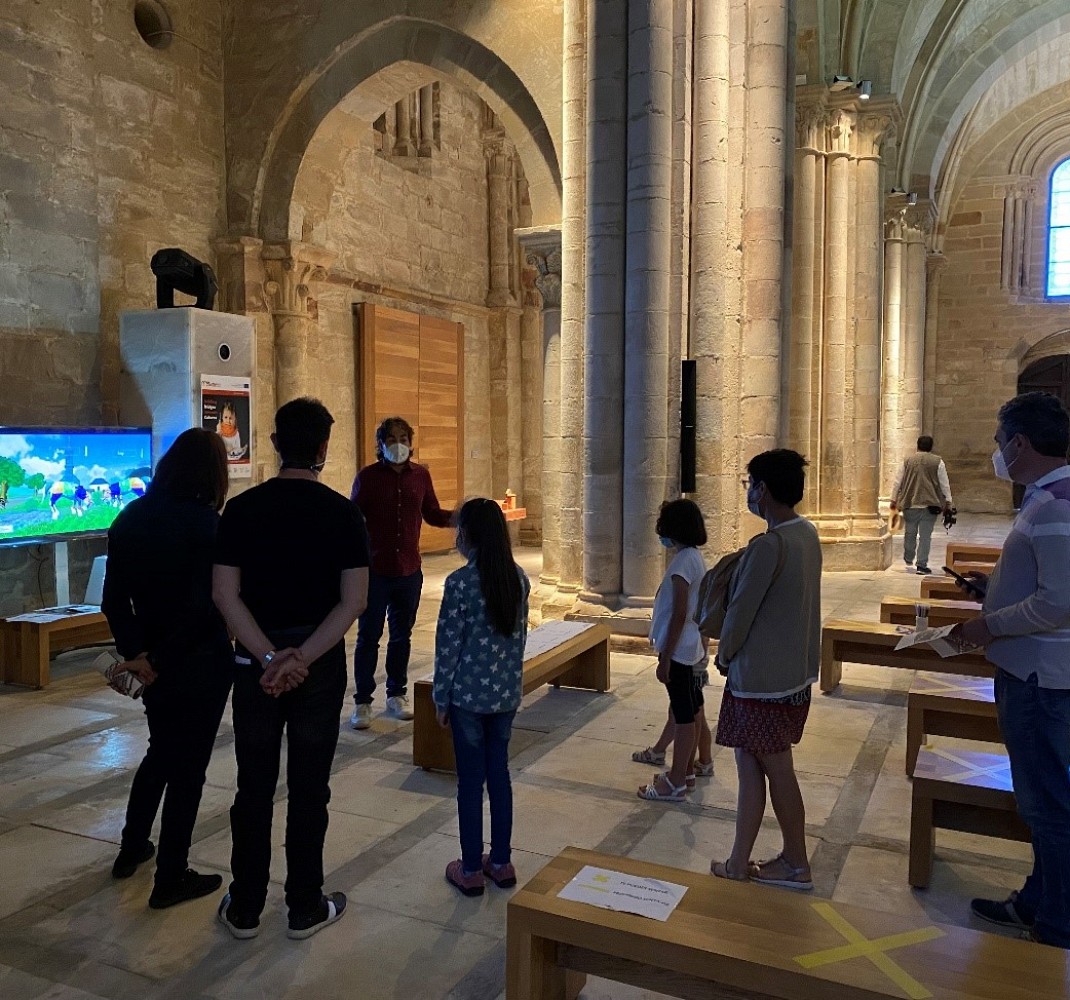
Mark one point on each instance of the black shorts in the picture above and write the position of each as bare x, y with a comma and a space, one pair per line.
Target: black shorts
685, 695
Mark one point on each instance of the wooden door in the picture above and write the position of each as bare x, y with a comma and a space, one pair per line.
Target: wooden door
413, 366
1046, 375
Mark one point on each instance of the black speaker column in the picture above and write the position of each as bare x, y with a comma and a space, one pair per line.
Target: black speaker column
688, 407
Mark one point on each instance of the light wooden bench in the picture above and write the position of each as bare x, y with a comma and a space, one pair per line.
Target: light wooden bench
968, 552
27, 645
963, 790
946, 705
943, 588
874, 643
573, 654
900, 611
738, 941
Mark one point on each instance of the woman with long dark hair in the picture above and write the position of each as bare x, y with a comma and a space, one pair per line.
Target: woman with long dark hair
479, 668
158, 600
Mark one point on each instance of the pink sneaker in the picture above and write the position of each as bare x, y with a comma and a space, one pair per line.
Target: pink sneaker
470, 885
503, 876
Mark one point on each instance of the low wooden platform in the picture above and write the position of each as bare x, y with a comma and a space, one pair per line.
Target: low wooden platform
579, 659
738, 941
900, 611
26, 646
943, 588
874, 643
946, 705
963, 790
959, 553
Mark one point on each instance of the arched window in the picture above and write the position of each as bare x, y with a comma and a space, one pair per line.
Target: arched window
1059, 232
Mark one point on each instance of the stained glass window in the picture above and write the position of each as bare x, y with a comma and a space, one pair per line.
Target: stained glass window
1059, 232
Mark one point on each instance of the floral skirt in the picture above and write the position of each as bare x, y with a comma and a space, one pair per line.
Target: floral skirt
762, 727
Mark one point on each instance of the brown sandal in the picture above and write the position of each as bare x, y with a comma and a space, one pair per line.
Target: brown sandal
720, 870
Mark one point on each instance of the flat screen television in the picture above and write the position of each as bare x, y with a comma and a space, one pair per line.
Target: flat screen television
62, 482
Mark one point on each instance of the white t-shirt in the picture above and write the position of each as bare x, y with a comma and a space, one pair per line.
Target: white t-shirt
687, 564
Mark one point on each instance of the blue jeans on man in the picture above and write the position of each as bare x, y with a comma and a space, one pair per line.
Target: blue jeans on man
393, 601
1035, 723
918, 525
481, 747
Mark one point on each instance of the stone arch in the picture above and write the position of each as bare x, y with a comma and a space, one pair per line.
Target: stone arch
1051, 346
404, 39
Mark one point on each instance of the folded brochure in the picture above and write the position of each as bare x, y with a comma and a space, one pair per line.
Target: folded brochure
939, 639
610, 890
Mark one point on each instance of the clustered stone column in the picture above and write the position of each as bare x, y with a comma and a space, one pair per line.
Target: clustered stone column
835, 386
1017, 226
934, 269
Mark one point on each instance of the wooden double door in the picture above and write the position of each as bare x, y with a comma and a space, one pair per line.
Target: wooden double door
412, 366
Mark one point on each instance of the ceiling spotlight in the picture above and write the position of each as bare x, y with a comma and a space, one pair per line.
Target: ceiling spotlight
912, 198
898, 190
865, 90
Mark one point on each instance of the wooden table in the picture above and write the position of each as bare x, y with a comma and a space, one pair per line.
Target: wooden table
968, 552
870, 642
580, 659
26, 646
738, 941
900, 611
946, 705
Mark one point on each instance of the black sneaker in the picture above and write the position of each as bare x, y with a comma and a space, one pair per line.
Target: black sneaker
923, 571
240, 927
129, 858
305, 925
1004, 912
192, 885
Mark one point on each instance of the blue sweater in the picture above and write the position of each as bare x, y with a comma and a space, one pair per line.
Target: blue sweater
476, 668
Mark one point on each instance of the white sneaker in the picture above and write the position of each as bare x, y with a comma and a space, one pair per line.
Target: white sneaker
362, 717
398, 706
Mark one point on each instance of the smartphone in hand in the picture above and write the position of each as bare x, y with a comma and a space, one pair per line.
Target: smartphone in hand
970, 586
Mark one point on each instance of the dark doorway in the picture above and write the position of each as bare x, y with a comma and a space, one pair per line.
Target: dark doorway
1046, 375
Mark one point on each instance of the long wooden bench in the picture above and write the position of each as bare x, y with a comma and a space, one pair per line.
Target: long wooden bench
572, 654
28, 641
738, 941
963, 790
946, 705
943, 588
900, 611
874, 643
959, 553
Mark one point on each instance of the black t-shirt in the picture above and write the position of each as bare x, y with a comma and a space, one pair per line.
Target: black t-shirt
291, 539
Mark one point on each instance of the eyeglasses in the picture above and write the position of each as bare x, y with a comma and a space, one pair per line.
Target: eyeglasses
746, 483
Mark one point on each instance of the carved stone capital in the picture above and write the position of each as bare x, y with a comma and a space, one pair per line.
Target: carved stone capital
240, 273
839, 127
874, 129
291, 268
542, 251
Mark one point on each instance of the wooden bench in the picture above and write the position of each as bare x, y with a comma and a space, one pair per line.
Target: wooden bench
900, 611
573, 654
946, 705
874, 643
963, 790
738, 941
28, 641
968, 552
943, 588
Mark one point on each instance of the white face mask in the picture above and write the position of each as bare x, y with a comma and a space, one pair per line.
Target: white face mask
999, 465
397, 453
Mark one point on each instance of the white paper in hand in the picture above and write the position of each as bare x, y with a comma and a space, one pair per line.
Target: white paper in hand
647, 897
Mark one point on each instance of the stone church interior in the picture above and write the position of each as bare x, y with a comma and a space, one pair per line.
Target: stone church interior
598, 254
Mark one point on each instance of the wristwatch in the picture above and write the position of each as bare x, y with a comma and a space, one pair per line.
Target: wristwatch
268, 657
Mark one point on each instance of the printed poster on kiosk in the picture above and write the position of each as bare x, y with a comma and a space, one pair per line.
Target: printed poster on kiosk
225, 409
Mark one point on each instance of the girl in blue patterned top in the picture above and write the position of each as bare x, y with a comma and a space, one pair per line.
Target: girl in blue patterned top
479, 667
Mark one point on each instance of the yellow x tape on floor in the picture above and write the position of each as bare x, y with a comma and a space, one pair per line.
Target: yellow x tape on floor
971, 770
859, 946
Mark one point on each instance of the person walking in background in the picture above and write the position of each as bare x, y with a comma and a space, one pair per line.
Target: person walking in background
679, 644
479, 680
290, 578
1024, 627
158, 601
921, 492
396, 496
771, 648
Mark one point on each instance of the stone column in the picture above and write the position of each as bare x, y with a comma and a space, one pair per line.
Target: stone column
496, 152
603, 431
892, 387
934, 269
647, 301
403, 145
427, 120
290, 269
910, 426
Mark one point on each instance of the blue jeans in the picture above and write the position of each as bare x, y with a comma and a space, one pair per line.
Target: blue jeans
918, 525
481, 746
1035, 723
393, 599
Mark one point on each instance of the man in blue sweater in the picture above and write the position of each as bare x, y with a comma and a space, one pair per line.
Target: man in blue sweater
1025, 630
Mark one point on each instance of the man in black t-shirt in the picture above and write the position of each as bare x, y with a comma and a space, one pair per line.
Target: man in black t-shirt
291, 577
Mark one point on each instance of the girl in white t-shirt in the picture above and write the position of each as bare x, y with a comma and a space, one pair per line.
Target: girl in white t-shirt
679, 644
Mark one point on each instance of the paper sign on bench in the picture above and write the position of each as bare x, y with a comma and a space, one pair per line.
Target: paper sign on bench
647, 897
938, 639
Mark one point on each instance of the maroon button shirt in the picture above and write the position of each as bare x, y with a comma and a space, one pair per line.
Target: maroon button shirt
394, 504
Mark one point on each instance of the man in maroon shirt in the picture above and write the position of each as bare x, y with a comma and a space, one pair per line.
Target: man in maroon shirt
396, 497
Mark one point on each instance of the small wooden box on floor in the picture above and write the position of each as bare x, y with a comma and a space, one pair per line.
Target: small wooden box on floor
26, 646
900, 611
972, 556
869, 642
738, 941
572, 654
946, 705
962, 790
